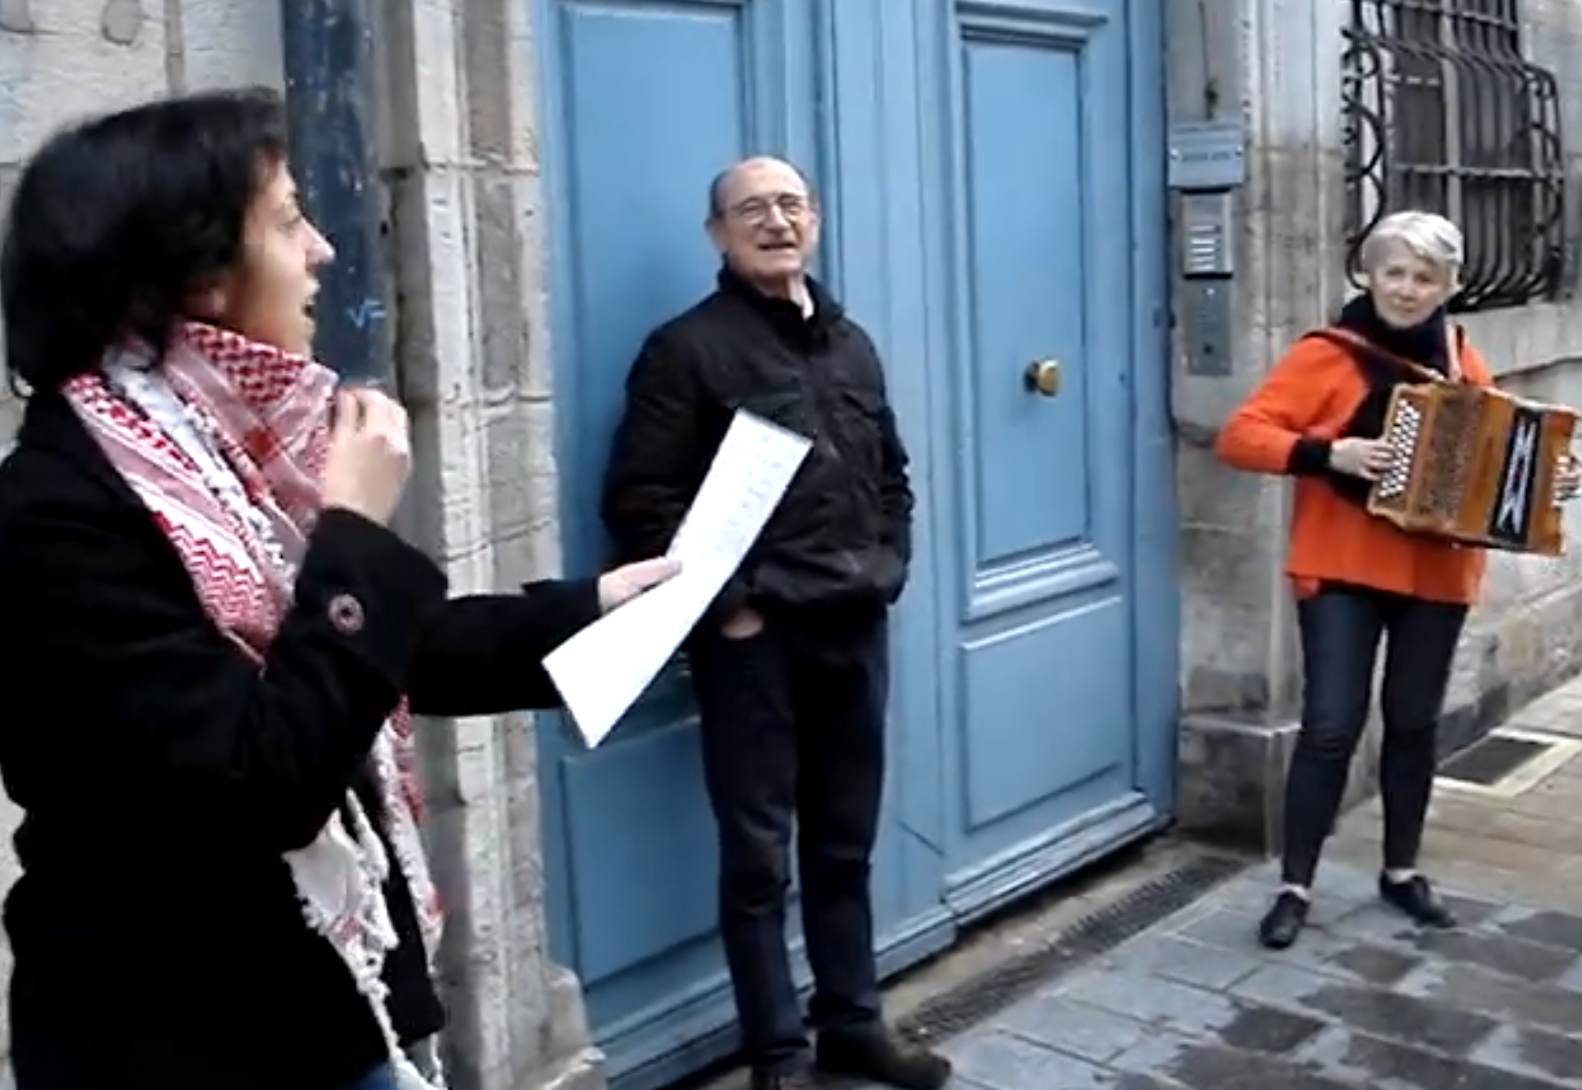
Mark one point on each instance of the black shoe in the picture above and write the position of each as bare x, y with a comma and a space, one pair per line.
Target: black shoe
880, 1055
1284, 921
782, 1080
1417, 899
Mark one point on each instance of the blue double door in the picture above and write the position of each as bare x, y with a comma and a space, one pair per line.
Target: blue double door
992, 177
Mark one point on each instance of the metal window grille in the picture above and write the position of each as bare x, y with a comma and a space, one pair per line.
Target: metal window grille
1443, 112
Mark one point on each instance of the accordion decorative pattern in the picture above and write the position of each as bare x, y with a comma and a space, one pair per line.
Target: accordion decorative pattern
1451, 444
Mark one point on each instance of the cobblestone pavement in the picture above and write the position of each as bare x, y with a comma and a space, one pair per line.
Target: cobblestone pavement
1365, 999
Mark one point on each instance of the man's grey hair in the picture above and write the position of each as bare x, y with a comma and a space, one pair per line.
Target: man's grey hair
717, 185
1425, 235
717, 193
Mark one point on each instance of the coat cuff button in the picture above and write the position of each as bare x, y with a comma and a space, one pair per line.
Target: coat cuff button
346, 615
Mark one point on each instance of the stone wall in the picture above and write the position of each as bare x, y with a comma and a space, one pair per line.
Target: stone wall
474, 370
1276, 65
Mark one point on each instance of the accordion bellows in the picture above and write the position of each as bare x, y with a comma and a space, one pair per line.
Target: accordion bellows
1475, 464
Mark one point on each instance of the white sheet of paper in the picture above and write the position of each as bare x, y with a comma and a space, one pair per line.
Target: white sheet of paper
602, 670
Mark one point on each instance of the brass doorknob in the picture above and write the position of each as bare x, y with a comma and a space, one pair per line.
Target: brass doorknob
1042, 377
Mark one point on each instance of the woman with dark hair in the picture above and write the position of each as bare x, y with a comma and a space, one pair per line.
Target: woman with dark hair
222, 882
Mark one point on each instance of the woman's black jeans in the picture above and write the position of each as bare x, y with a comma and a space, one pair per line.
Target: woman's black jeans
1341, 627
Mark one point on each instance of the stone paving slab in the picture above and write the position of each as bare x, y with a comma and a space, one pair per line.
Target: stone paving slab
1558, 711
1365, 999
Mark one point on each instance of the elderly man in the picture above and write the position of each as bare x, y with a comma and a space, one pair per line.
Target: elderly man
791, 663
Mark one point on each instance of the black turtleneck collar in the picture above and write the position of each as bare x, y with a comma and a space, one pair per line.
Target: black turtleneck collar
784, 315
1424, 343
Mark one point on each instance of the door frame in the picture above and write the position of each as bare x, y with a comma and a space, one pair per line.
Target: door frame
1156, 599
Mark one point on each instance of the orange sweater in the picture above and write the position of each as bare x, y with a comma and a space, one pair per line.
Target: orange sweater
1311, 394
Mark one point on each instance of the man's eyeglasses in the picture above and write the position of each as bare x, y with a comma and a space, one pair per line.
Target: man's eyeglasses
793, 206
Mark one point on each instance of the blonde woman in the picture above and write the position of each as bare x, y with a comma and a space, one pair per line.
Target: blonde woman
1359, 580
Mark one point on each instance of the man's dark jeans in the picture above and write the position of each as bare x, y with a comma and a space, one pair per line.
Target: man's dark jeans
793, 731
1341, 627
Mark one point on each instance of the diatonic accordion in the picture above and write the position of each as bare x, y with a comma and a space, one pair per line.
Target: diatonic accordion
1475, 464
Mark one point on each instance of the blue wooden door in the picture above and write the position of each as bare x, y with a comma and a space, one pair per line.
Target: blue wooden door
643, 102
1057, 703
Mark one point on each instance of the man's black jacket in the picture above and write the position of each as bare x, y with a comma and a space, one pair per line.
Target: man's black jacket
841, 537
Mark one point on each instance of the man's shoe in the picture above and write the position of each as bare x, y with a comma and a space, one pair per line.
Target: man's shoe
1284, 921
782, 1080
1417, 899
881, 1055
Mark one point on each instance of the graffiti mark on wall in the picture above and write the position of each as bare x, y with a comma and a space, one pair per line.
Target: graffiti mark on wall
366, 313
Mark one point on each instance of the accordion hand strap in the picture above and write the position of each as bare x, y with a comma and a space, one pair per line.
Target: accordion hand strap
1337, 334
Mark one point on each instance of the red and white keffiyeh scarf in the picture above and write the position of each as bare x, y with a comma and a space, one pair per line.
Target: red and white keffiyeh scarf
225, 443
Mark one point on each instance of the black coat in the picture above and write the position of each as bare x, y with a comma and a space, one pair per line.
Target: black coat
842, 535
156, 935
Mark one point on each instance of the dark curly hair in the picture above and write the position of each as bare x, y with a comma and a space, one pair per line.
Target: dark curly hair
117, 221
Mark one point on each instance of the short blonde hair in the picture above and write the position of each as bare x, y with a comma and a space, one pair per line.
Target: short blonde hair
1426, 235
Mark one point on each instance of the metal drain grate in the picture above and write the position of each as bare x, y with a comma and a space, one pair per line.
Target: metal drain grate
1489, 761
985, 995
